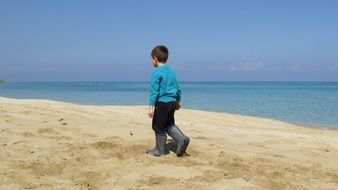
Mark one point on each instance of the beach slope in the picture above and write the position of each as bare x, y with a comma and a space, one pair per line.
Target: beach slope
54, 145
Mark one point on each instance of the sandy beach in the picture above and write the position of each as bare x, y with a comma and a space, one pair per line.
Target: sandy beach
54, 145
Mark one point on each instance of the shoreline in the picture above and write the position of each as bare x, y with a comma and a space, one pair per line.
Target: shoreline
47, 144
320, 127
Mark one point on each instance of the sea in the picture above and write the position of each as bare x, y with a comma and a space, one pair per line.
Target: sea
311, 104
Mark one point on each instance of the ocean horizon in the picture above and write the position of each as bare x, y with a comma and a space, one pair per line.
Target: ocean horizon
312, 104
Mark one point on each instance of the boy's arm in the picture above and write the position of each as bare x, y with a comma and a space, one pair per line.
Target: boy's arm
154, 93
178, 104
178, 93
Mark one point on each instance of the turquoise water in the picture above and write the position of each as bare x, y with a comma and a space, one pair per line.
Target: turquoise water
310, 104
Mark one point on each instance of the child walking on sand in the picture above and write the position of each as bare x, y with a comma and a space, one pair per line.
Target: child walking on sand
165, 96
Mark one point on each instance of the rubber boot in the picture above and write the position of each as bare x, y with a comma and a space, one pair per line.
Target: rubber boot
159, 150
181, 140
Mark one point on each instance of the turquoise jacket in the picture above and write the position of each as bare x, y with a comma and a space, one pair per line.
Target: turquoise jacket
164, 86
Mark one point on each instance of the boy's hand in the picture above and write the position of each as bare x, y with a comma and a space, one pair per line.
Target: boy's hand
178, 105
151, 111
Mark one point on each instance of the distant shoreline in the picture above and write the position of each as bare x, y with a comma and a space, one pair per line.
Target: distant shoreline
2, 81
307, 126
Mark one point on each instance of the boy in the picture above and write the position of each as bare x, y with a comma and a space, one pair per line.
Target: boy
165, 96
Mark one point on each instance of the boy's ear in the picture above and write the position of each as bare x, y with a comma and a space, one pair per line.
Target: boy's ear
155, 58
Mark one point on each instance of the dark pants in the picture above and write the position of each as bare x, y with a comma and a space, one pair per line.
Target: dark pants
163, 116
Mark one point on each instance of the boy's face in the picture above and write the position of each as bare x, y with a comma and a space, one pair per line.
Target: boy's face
154, 61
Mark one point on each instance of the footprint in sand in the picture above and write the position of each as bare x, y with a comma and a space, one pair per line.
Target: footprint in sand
47, 131
200, 138
63, 123
27, 134
5, 130
115, 147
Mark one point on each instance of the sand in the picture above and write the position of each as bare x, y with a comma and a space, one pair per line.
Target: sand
54, 145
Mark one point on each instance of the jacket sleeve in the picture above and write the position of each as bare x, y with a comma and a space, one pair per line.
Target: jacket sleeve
154, 88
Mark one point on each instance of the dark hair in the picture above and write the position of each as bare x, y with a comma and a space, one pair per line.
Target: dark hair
161, 53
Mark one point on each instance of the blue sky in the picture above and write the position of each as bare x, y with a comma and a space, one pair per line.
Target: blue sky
252, 40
